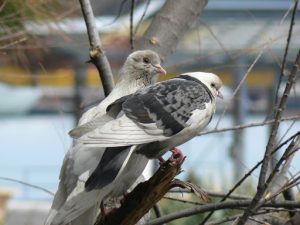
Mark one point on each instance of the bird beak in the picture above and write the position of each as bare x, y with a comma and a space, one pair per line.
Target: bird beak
159, 69
220, 95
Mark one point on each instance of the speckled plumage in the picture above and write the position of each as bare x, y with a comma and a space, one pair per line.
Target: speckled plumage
168, 105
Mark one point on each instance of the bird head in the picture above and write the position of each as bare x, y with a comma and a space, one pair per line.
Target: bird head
146, 61
212, 81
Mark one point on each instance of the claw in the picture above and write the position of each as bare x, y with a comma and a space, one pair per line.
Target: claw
123, 200
161, 160
177, 155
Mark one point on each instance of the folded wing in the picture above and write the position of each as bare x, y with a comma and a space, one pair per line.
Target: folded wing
154, 114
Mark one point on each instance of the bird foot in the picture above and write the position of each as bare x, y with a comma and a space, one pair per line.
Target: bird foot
161, 160
123, 200
105, 214
177, 155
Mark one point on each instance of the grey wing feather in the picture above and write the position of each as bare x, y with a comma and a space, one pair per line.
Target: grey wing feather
108, 168
153, 114
89, 126
112, 112
168, 105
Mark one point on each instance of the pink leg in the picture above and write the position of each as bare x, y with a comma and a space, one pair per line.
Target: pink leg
161, 160
177, 155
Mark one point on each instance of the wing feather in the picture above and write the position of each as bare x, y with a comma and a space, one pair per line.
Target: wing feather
155, 113
123, 132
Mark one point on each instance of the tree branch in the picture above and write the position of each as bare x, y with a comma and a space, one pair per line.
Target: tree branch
249, 125
247, 175
170, 24
97, 56
147, 193
239, 86
286, 50
218, 206
27, 184
275, 182
270, 146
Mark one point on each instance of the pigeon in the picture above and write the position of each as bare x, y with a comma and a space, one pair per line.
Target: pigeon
148, 123
163, 114
137, 72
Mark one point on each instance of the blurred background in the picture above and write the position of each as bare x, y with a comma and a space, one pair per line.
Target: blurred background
45, 85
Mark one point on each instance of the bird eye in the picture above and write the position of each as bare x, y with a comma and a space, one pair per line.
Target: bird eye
146, 60
213, 85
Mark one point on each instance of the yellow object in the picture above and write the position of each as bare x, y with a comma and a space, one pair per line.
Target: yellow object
65, 77
4, 197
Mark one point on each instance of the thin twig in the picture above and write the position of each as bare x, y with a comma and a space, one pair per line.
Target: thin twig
230, 218
13, 43
27, 184
218, 206
291, 149
249, 125
239, 86
3, 5
286, 51
142, 17
182, 200
118, 14
131, 24
287, 131
212, 194
157, 210
218, 40
270, 146
247, 175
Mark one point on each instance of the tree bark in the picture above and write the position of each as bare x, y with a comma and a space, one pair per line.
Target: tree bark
170, 24
97, 56
144, 196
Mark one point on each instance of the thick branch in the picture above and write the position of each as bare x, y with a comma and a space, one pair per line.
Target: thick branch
270, 146
144, 196
97, 55
170, 24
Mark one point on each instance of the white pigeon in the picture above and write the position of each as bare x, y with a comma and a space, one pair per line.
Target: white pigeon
149, 122
81, 160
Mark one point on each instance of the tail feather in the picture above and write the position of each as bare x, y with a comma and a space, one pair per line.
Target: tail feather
77, 204
58, 201
89, 217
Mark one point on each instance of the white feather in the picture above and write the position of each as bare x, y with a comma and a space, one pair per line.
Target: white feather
122, 132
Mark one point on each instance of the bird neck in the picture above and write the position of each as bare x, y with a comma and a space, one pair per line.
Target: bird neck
132, 79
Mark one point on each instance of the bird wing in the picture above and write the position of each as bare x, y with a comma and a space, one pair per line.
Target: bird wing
78, 131
112, 111
77, 203
108, 168
153, 114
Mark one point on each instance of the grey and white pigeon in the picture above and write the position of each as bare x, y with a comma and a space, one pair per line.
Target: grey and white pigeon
137, 72
161, 115
148, 123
